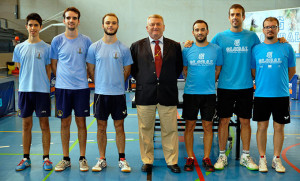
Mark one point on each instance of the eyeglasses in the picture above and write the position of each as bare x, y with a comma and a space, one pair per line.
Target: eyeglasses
272, 27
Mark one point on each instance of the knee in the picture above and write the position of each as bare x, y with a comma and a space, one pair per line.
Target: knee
207, 126
278, 128
27, 126
45, 126
190, 126
102, 127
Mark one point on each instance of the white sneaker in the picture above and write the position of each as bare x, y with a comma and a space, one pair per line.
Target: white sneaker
99, 165
124, 166
263, 165
221, 162
83, 164
247, 161
62, 165
276, 163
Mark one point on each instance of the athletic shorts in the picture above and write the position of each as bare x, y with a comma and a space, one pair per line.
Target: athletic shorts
193, 102
68, 99
34, 101
104, 105
235, 101
279, 107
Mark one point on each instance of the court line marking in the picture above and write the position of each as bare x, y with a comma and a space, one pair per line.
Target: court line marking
197, 167
71, 148
285, 158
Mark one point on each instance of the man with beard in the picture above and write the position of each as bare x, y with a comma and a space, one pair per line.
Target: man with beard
201, 66
157, 65
109, 64
68, 56
273, 65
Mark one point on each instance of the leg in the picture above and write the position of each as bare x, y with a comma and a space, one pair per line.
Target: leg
261, 136
26, 134
146, 119
208, 137
245, 133
82, 134
120, 135
46, 136
65, 134
169, 132
102, 137
278, 138
189, 136
223, 132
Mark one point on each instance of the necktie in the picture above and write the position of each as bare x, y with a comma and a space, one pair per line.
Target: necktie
158, 58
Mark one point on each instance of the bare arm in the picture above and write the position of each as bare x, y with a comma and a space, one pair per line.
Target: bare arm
54, 66
185, 71
48, 71
218, 70
292, 71
253, 73
127, 70
91, 71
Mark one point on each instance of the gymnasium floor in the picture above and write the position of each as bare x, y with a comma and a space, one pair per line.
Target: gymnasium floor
11, 152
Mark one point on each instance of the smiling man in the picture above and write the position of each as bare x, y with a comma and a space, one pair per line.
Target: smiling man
109, 64
33, 59
157, 63
68, 56
273, 66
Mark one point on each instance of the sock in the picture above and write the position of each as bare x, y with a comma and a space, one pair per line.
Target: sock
26, 156
81, 158
191, 157
246, 152
275, 157
103, 158
66, 158
264, 156
222, 152
121, 155
45, 156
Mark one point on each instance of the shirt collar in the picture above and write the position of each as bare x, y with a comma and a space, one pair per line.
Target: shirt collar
161, 40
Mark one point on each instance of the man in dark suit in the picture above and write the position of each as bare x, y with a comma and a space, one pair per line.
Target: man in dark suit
157, 63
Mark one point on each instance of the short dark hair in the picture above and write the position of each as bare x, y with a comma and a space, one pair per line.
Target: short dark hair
237, 6
271, 19
72, 9
110, 14
200, 21
34, 16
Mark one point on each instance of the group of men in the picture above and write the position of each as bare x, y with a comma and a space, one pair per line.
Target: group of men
156, 62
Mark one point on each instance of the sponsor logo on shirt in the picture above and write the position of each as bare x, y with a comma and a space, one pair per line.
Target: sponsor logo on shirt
38, 55
201, 61
79, 51
269, 60
116, 55
237, 47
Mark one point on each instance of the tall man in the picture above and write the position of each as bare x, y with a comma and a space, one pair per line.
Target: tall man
33, 59
202, 65
68, 55
157, 63
235, 87
273, 65
110, 61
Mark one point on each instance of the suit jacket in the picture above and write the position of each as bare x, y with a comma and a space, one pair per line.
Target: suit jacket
149, 89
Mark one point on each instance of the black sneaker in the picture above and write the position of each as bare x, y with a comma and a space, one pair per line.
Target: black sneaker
206, 163
189, 165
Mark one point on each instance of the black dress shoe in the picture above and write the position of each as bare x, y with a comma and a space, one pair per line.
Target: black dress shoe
147, 167
174, 168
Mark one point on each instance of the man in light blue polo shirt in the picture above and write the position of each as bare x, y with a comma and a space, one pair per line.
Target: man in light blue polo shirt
201, 65
109, 64
68, 56
273, 65
33, 59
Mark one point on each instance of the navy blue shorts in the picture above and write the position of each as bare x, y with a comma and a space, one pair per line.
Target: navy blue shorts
68, 99
34, 101
104, 105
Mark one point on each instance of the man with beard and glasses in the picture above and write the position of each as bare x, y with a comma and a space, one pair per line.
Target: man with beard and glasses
109, 64
68, 56
201, 66
273, 66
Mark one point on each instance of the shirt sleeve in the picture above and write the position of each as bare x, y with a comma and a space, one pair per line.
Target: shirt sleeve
292, 57
91, 58
127, 57
16, 55
253, 62
54, 50
184, 54
257, 41
215, 39
219, 57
